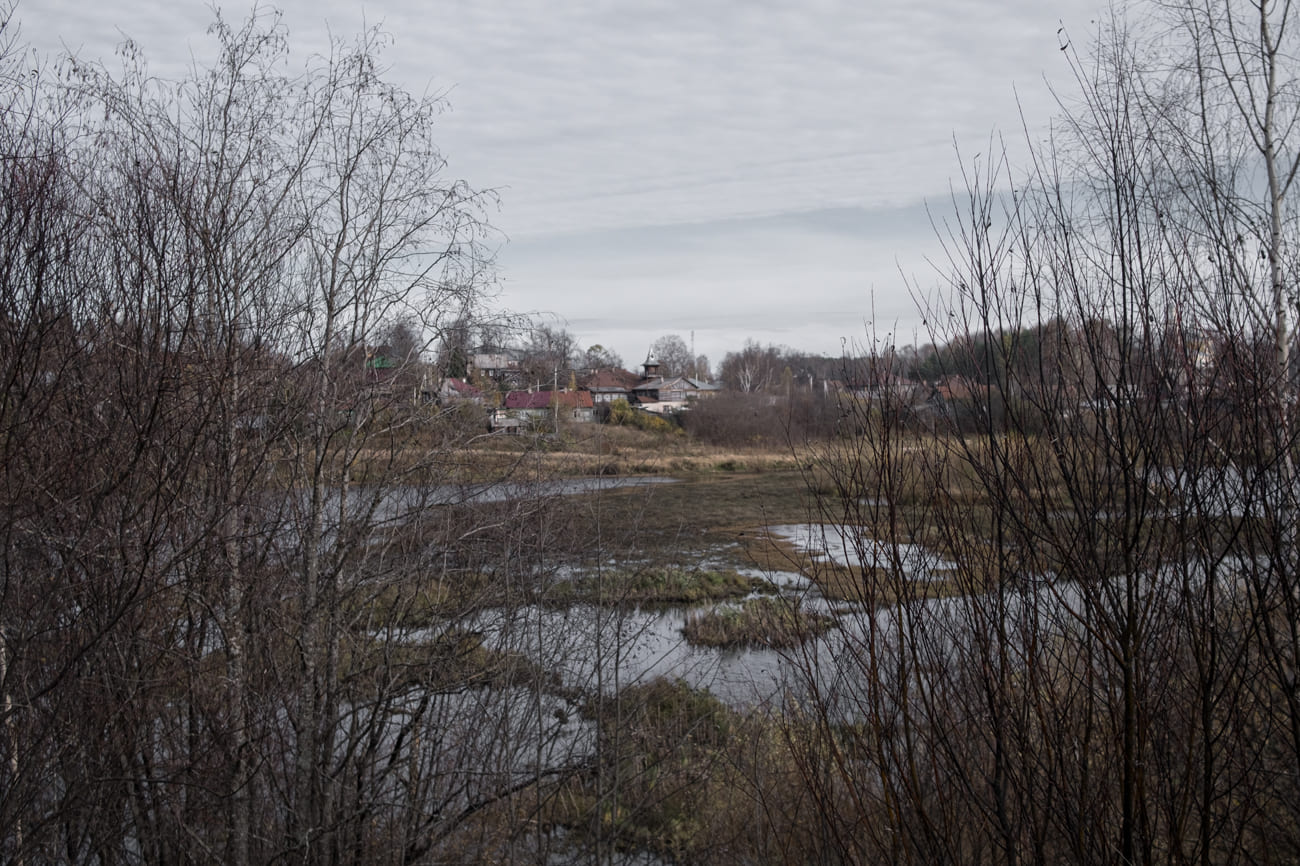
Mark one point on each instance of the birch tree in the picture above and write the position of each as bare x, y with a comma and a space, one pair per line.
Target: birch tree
243, 586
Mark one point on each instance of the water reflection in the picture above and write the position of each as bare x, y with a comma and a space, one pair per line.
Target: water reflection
607, 649
848, 547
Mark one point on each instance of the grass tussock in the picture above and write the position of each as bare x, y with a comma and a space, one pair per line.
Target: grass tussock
655, 586
691, 774
423, 602
759, 622
456, 658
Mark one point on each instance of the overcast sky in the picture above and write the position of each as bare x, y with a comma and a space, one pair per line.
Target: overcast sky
737, 168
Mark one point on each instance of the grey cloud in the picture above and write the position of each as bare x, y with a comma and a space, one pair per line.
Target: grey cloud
724, 118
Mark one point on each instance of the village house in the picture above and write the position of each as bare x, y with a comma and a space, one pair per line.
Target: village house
957, 388
384, 377
499, 365
655, 393
673, 393
523, 408
454, 391
607, 386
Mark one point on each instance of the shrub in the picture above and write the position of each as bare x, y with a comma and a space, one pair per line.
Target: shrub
624, 414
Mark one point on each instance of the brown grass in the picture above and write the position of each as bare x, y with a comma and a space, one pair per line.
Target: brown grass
655, 586
759, 622
604, 449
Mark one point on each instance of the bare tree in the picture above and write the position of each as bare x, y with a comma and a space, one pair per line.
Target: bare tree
1078, 642
673, 355
241, 587
550, 355
753, 368
597, 357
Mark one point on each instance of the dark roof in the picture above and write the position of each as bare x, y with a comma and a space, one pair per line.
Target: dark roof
681, 383
542, 399
609, 380
460, 386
